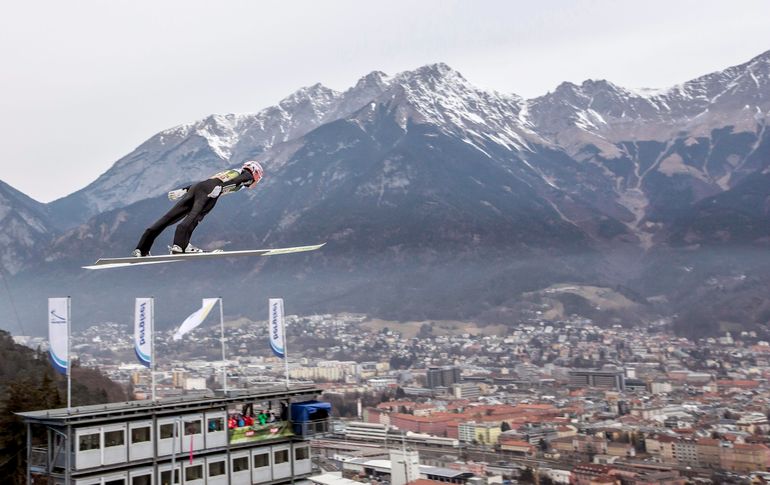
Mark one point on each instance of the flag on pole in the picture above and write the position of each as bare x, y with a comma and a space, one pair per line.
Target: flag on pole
143, 319
58, 333
196, 318
277, 338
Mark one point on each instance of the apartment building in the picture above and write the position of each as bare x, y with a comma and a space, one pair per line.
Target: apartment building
482, 433
711, 453
603, 379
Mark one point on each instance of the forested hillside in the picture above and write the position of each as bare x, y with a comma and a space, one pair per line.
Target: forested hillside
28, 383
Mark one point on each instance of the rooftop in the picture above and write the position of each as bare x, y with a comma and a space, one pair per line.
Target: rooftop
120, 410
332, 479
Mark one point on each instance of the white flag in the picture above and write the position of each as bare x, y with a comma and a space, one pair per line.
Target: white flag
58, 333
196, 318
277, 339
143, 323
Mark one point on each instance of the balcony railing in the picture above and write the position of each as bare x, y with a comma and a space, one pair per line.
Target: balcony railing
38, 459
312, 429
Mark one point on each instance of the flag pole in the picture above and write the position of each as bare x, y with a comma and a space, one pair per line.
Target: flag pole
69, 354
222, 330
154, 363
285, 347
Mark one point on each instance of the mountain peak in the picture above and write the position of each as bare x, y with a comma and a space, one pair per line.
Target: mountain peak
373, 79
589, 87
566, 86
439, 95
434, 81
313, 93
600, 85
437, 67
433, 73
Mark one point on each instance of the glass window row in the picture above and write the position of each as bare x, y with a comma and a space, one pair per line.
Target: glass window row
213, 467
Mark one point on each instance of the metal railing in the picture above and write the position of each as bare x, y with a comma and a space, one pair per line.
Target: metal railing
38, 458
312, 429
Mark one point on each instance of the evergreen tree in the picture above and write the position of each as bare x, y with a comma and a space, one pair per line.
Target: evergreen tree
29, 383
49, 393
22, 395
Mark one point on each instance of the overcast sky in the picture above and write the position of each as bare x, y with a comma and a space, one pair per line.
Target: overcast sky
83, 83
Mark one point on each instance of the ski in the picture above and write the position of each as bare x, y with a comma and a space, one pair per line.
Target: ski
105, 263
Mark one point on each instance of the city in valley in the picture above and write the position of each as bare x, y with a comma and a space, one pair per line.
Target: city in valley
537, 402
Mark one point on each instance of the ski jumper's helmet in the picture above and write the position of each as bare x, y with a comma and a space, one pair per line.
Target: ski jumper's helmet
256, 170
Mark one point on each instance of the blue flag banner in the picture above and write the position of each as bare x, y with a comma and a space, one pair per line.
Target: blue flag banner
58, 333
143, 322
275, 320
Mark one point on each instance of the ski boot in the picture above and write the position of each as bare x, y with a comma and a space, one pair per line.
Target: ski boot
190, 249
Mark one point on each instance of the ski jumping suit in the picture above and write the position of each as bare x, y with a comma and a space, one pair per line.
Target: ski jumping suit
198, 201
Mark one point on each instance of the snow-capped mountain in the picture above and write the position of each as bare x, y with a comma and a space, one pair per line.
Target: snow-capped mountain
618, 113
177, 156
440, 199
195, 150
438, 95
571, 118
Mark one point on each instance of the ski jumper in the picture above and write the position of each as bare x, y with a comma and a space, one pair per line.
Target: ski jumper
198, 201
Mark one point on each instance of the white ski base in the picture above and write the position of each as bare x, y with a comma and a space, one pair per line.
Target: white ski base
105, 263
